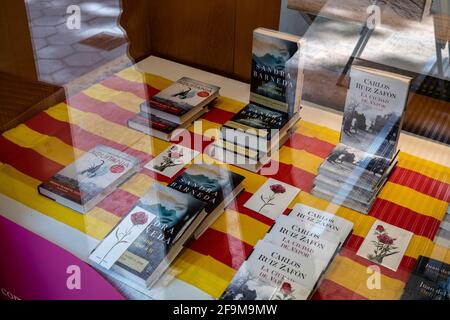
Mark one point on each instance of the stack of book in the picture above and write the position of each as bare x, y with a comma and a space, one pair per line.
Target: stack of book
430, 280
254, 133
357, 169
442, 237
155, 231
176, 107
291, 260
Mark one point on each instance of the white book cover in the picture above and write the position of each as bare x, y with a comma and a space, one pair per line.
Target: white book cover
385, 244
169, 162
117, 242
272, 198
308, 240
445, 224
374, 109
340, 226
272, 263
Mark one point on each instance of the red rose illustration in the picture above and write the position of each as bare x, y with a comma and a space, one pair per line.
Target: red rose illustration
286, 288
385, 239
380, 228
139, 218
278, 188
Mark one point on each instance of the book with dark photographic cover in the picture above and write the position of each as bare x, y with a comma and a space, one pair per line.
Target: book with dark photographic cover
277, 72
374, 111
253, 128
367, 152
181, 101
215, 186
266, 269
168, 218
159, 127
86, 182
430, 280
347, 161
331, 222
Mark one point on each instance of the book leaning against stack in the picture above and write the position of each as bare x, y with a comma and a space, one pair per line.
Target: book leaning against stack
175, 107
261, 127
154, 232
359, 166
291, 260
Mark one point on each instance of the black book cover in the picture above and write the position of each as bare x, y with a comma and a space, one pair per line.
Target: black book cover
207, 183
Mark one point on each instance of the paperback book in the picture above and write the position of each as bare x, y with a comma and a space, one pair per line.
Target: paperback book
215, 186
367, 152
90, 179
181, 101
331, 222
430, 280
276, 89
159, 225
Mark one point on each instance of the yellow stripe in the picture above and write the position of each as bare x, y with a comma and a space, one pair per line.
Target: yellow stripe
300, 159
50, 147
203, 272
414, 200
23, 189
314, 131
241, 227
125, 100
427, 168
354, 276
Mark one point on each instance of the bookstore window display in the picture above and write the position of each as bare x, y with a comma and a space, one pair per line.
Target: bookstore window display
327, 206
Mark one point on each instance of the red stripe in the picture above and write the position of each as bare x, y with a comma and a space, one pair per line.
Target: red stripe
405, 218
27, 161
119, 203
222, 247
157, 176
330, 290
421, 183
141, 90
218, 115
312, 145
107, 110
292, 175
77, 137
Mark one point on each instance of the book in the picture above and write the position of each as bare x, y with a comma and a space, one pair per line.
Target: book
159, 127
430, 280
385, 245
272, 198
445, 224
305, 239
374, 111
367, 169
181, 101
211, 184
167, 219
277, 73
267, 268
173, 159
367, 152
90, 179
331, 222
442, 238
257, 127
243, 157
